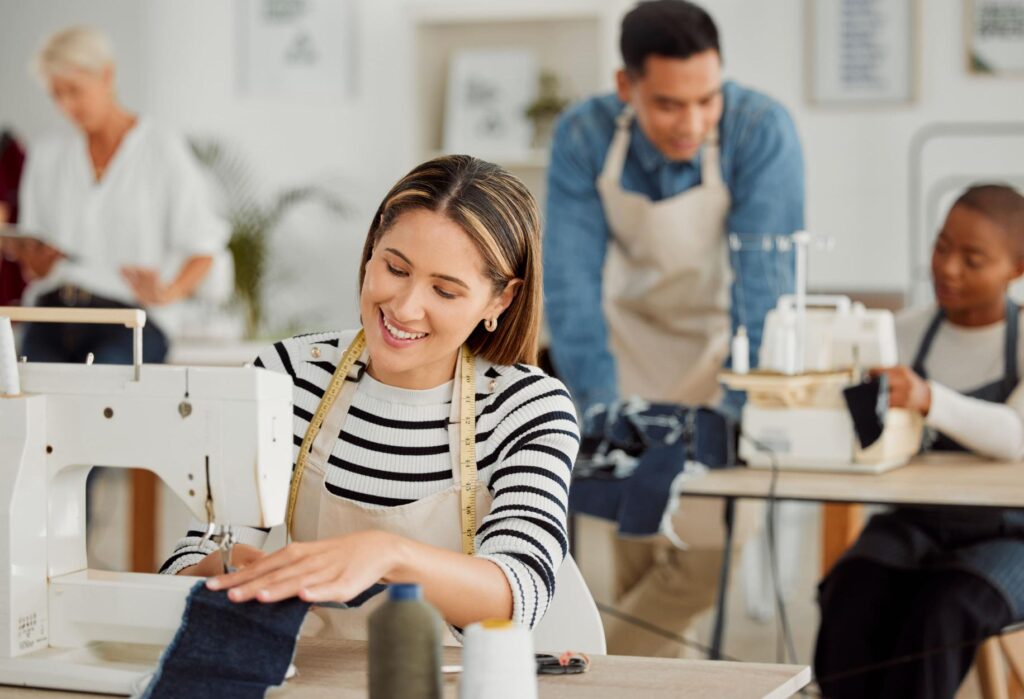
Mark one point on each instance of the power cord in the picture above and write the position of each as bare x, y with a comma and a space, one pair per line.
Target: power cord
659, 631
785, 631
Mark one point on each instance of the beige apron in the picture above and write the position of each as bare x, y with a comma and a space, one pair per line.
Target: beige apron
318, 514
667, 281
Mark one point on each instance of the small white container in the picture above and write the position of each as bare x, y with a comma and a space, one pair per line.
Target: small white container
10, 384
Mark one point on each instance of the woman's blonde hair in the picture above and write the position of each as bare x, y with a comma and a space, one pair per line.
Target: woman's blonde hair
75, 48
500, 215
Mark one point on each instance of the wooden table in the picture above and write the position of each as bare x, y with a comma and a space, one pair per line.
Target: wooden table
950, 478
337, 669
933, 479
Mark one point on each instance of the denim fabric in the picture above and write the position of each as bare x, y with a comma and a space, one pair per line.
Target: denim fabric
71, 342
228, 650
632, 451
762, 166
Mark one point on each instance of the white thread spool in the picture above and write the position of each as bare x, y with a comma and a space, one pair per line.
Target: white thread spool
498, 662
10, 385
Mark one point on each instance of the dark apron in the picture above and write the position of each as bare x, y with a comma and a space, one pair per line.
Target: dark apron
988, 542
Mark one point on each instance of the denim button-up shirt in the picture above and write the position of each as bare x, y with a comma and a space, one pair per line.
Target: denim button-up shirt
762, 166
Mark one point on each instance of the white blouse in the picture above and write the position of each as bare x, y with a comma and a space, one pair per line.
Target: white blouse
151, 209
962, 359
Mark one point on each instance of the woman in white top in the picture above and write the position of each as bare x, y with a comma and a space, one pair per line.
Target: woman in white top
904, 610
384, 428
121, 206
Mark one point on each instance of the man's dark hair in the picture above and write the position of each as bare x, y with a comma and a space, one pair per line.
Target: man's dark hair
670, 28
1001, 204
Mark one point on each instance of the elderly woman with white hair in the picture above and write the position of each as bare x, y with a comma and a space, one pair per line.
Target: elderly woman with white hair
121, 205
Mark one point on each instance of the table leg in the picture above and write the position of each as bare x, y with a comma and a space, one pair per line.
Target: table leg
718, 633
841, 525
143, 521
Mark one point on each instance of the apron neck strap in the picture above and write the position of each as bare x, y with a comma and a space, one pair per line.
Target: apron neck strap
1010, 373
615, 160
710, 164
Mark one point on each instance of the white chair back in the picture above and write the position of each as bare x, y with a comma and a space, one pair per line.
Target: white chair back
572, 621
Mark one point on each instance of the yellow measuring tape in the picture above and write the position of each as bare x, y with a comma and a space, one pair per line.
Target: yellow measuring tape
467, 451
467, 437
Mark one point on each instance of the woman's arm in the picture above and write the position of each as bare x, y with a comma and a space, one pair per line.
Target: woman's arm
463, 588
145, 281
995, 430
991, 429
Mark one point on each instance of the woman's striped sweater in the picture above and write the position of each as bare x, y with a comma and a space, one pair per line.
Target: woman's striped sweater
394, 450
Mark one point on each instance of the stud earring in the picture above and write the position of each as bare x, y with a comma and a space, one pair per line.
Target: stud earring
491, 324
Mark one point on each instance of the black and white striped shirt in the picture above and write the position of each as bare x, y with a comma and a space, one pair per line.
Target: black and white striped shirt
394, 450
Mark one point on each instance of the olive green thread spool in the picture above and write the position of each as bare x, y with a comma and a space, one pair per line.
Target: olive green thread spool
405, 647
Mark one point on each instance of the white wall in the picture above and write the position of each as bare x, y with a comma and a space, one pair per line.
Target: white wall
857, 160
177, 63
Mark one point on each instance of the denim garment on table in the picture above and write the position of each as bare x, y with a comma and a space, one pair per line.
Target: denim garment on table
231, 650
227, 650
633, 451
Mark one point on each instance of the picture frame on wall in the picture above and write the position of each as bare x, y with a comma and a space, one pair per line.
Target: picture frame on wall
994, 37
290, 49
861, 52
488, 94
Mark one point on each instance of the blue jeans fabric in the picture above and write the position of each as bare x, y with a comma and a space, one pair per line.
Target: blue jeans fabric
228, 650
632, 451
109, 344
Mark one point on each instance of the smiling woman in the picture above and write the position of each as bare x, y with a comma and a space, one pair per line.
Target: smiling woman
450, 303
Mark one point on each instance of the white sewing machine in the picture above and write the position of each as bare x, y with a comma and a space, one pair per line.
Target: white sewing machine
795, 416
219, 438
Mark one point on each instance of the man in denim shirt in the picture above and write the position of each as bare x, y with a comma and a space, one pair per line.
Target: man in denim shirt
646, 188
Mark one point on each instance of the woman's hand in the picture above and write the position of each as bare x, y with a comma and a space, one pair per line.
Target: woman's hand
334, 570
241, 556
35, 258
907, 389
147, 287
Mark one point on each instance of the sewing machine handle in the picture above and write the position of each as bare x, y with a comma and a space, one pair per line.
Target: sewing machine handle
840, 303
133, 318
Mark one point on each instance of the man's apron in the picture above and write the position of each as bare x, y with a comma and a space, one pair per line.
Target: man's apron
318, 514
667, 284
667, 281
988, 542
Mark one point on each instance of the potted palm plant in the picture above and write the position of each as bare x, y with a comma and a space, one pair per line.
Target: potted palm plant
253, 221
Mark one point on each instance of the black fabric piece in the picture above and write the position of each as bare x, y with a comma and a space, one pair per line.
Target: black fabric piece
630, 453
228, 650
868, 403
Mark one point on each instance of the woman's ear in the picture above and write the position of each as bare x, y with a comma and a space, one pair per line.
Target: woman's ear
503, 300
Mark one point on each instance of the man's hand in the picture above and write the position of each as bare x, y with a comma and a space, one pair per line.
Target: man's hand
907, 389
